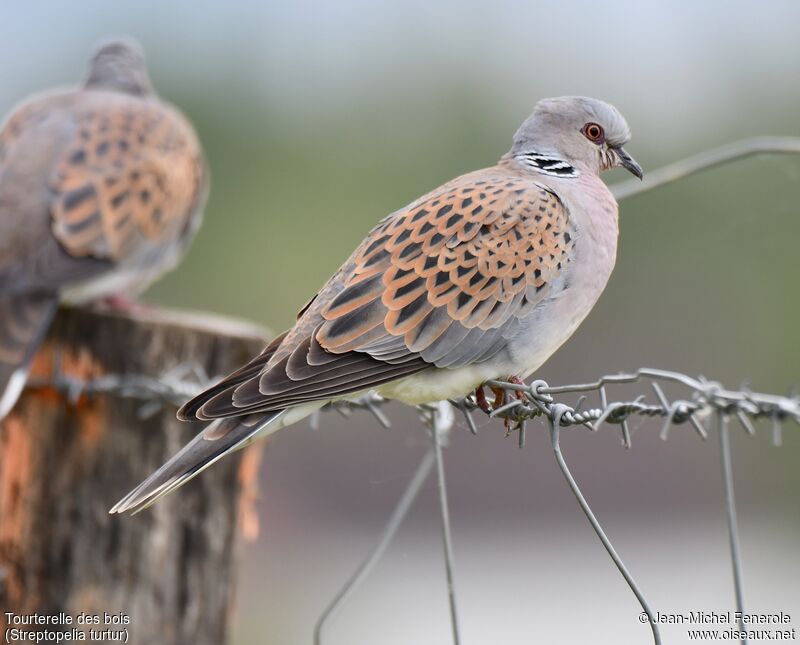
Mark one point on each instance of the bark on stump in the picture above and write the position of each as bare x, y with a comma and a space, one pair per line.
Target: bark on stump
63, 464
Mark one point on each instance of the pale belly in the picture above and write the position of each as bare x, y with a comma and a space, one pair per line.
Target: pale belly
437, 384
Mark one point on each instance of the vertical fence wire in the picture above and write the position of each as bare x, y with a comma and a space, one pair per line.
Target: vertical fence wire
447, 539
555, 430
363, 570
730, 513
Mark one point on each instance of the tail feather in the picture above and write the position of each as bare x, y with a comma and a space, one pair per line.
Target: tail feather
217, 440
24, 320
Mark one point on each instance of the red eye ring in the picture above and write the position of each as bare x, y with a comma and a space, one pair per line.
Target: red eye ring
594, 132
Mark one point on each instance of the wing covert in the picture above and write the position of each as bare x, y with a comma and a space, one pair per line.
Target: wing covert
444, 282
461, 265
130, 178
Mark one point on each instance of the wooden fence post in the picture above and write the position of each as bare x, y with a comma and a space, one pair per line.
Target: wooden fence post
166, 574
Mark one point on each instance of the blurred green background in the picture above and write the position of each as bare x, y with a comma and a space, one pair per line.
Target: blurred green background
320, 118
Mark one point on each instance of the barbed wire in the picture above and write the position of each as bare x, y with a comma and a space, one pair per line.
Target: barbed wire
516, 404
705, 396
174, 387
520, 403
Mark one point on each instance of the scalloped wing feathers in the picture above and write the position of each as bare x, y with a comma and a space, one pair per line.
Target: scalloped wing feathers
130, 178
444, 282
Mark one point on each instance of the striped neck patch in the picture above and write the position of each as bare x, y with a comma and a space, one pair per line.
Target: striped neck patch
547, 165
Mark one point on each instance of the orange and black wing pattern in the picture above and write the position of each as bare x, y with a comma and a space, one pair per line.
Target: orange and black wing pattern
461, 265
131, 180
442, 283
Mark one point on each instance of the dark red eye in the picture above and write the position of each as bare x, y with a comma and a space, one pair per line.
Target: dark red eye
594, 133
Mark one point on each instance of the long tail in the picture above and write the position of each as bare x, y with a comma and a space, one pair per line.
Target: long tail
213, 443
24, 320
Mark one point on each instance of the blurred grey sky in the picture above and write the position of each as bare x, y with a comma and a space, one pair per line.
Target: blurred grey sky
319, 118
692, 69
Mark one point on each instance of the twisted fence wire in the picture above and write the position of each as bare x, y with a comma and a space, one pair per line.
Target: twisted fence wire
703, 399
173, 388
519, 404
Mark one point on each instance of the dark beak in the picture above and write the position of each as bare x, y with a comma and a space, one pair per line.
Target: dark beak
628, 162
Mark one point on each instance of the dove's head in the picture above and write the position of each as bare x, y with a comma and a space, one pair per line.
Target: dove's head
586, 133
119, 65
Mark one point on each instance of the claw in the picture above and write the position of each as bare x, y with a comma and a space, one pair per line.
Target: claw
499, 397
483, 403
516, 380
480, 400
520, 395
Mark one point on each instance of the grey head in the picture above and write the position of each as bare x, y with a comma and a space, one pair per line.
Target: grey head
119, 65
586, 133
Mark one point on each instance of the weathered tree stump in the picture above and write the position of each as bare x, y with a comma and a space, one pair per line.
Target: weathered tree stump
63, 464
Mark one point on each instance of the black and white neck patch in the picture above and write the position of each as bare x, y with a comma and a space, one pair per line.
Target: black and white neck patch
547, 165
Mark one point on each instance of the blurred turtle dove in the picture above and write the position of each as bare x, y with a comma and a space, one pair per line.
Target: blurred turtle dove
101, 190
484, 277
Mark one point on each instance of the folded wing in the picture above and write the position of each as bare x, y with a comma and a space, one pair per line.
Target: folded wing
442, 283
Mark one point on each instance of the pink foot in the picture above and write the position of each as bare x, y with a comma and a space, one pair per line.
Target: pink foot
124, 303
